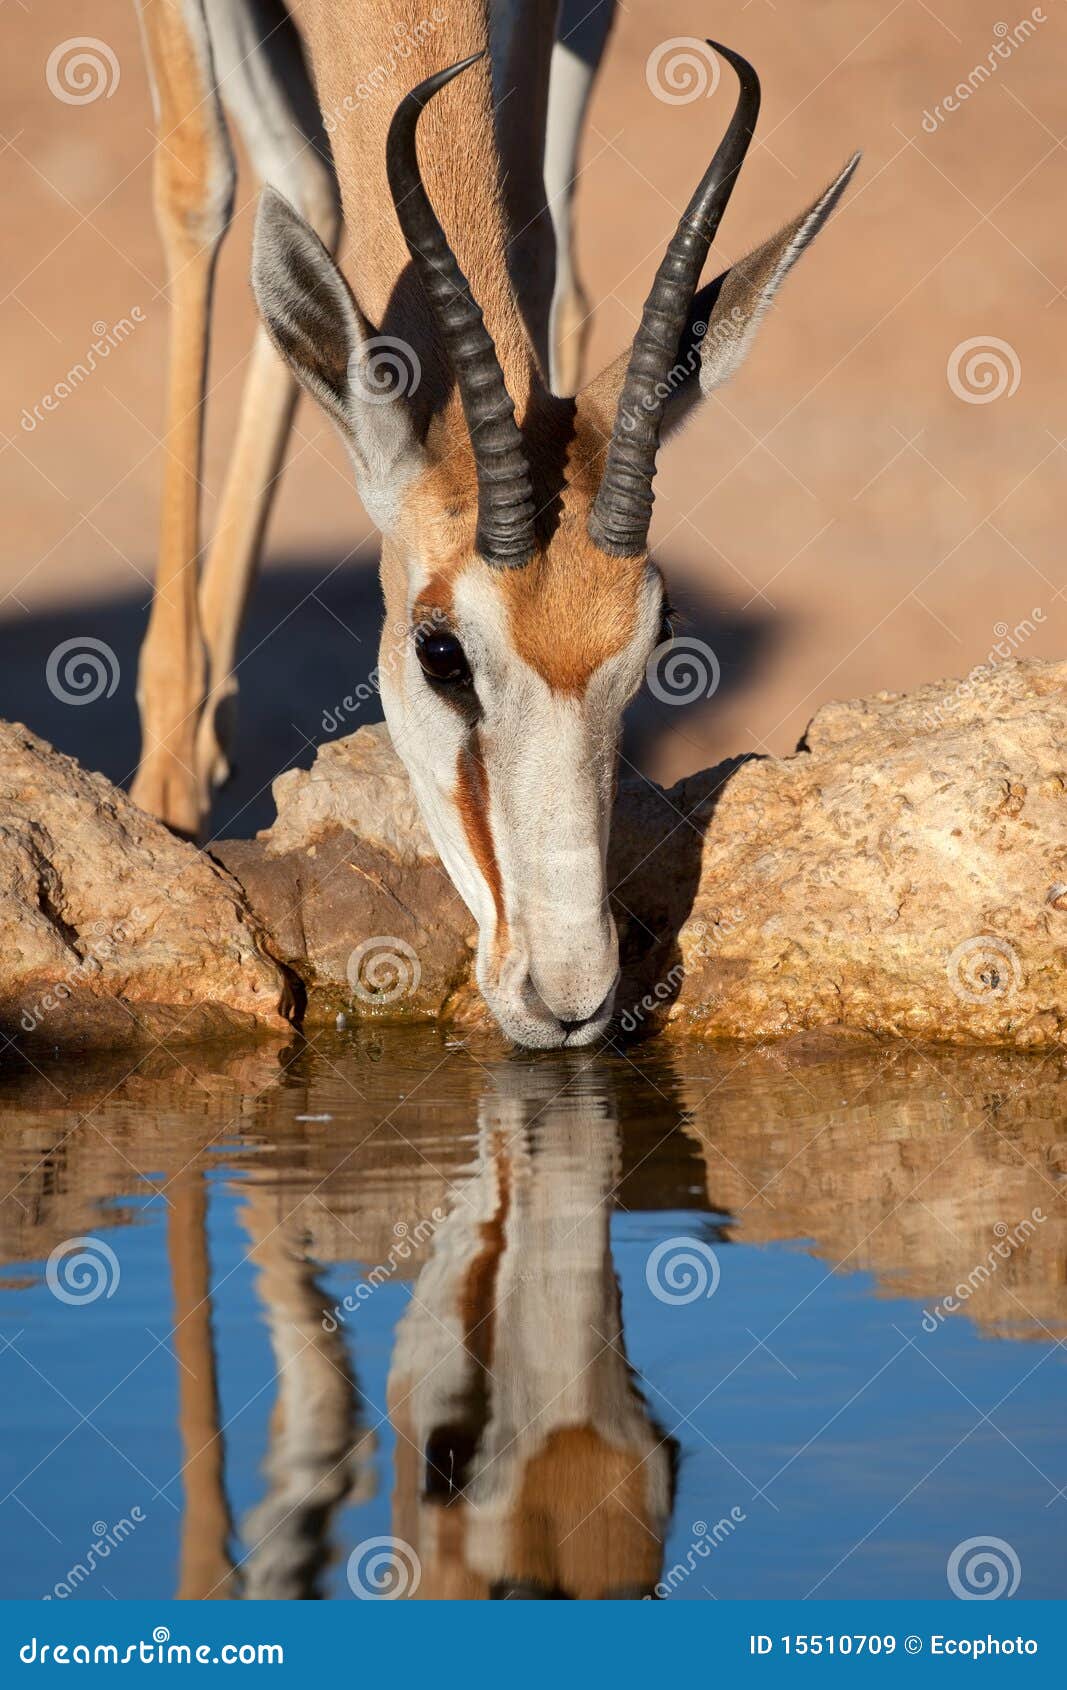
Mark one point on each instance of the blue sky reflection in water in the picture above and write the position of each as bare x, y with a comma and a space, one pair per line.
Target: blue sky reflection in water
669, 1320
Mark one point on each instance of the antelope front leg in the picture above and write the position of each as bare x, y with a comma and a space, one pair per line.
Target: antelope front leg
266, 413
266, 91
194, 182
583, 29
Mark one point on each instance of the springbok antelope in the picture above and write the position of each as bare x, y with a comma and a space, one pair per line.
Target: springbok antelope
521, 602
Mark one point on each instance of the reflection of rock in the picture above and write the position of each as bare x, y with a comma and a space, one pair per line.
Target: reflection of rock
63, 1179
903, 875
931, 1171
111, 930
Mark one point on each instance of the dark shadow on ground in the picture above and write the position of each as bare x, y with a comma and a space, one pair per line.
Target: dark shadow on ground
310, 639
309, 643
716, 652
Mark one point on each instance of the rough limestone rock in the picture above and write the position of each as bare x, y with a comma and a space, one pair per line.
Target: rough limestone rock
353, 893
903, 874
111, 930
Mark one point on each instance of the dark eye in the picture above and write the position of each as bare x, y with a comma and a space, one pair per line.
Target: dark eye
443, 659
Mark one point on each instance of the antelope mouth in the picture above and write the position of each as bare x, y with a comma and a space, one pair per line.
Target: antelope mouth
523, 1015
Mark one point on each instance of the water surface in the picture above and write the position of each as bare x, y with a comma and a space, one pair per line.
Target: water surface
701, 1323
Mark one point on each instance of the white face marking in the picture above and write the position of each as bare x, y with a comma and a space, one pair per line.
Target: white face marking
548, 955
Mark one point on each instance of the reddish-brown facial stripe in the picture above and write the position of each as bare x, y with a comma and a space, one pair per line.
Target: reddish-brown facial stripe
472, 800
478, 1299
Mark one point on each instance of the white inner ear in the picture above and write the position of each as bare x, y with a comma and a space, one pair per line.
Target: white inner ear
382, 476
385, 453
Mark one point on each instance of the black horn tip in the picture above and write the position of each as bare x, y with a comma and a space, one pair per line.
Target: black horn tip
400, 138
622, 508
505, 533
424, 91
745, 71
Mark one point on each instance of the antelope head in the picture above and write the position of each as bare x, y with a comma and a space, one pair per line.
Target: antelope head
515, 559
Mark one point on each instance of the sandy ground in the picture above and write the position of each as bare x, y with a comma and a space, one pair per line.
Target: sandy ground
844, 518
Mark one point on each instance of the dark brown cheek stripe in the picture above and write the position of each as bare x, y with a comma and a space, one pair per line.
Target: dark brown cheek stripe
472, 797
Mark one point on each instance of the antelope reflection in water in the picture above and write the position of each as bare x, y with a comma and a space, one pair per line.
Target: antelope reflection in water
527, 1461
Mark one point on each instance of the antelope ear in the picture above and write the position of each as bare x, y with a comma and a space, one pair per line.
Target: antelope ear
724, 317
362, 380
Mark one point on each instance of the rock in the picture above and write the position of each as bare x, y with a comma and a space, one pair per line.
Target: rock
112, 931
903, 875
351, 888
900, 874
357, 785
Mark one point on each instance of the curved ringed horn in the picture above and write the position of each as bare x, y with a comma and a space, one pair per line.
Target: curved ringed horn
505, 532
622, 510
